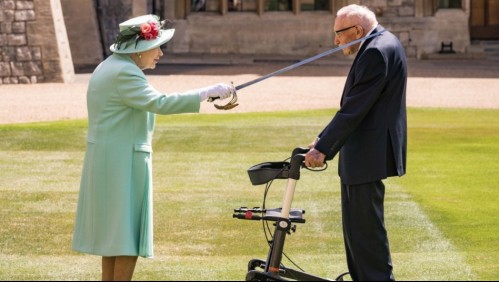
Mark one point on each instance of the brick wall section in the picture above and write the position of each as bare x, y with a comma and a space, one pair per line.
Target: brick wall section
29, 51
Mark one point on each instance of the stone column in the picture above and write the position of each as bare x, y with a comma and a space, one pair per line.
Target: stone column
83, 33
61, 37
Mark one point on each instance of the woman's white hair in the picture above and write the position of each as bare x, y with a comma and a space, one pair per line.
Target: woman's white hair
367, 17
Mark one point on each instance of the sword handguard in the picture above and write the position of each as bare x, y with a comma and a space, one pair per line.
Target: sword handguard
232, 103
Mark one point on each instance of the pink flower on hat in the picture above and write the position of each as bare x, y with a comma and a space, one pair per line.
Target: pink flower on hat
149, 30
148, 27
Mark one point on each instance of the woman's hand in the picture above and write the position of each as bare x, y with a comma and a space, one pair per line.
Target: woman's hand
220, 91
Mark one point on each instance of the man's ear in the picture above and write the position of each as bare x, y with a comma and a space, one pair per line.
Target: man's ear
360, 31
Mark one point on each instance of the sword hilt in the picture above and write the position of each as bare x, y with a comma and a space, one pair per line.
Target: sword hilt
232, 103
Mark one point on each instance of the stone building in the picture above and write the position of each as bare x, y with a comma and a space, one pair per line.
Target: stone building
297, 28
33, 42
303, 27
32, 51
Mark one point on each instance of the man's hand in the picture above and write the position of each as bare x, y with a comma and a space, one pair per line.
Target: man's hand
314, 158
312, 145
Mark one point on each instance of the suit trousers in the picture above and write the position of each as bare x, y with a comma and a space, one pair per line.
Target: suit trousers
364, 233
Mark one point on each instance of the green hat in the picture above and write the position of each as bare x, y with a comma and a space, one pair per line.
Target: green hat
141, 34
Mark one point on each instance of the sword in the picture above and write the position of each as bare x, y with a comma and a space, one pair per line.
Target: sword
232, 104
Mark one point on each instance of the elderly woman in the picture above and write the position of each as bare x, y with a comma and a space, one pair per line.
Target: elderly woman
114, 216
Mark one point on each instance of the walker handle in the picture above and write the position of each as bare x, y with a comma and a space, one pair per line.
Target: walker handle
299, 150
297, 158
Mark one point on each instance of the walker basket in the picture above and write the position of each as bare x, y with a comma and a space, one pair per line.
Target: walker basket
265, 172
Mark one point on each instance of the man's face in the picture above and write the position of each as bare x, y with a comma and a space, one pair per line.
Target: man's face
346, 30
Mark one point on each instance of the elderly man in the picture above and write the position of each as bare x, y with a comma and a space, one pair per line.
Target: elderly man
370, 133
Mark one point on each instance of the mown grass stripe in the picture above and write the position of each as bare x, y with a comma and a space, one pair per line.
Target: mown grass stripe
421, 251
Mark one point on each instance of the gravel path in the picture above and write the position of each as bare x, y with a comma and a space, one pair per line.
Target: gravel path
456, 84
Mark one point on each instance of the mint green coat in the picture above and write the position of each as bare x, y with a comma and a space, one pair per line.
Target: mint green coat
114, 215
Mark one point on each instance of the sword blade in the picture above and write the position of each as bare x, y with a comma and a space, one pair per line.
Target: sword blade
306, 61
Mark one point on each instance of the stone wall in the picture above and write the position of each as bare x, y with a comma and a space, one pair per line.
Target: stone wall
33, 42
284, 33
248, 33
278, 33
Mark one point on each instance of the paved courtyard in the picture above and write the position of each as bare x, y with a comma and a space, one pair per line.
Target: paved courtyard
436, 83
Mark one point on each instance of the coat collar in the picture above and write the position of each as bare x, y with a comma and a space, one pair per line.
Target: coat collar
361, 50
366, 42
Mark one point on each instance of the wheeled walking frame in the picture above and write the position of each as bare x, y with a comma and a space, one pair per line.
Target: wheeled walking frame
271, 269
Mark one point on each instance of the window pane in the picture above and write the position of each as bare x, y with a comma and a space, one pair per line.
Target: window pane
242, 5
449, 4
477, 13
494, 12
314, 5
278, 5
205, 5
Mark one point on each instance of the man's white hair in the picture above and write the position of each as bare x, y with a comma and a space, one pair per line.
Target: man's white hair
367, 17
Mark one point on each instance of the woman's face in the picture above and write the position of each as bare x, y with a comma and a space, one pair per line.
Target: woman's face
148, 59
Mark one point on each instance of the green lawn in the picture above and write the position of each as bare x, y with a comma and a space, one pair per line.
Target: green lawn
453, 176
441, 217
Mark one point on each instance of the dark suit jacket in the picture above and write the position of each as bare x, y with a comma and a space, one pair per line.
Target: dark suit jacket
370, 129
